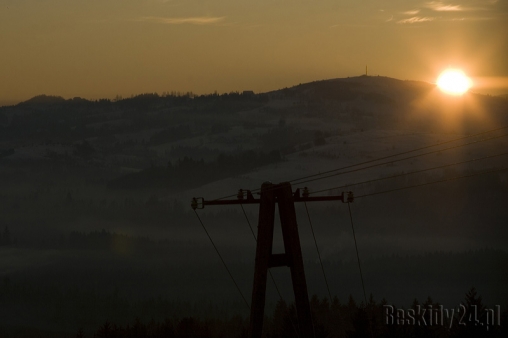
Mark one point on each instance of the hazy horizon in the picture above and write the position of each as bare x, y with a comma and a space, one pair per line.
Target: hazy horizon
15, 102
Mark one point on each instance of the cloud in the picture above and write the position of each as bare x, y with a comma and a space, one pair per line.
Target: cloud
439, 6
473, 19
412, 12
205, 20
415, 20
473, 6
350, 25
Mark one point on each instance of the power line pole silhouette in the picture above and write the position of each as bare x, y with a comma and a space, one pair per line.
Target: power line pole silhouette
282, 195
265, 259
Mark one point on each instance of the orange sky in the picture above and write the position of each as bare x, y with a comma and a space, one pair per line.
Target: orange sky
101, 48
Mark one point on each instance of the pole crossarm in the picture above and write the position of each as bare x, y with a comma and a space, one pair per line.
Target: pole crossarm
200, 203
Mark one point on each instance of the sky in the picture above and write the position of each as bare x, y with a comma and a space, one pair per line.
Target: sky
103, 48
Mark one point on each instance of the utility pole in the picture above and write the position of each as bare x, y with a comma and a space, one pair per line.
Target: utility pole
292, 257
281, 194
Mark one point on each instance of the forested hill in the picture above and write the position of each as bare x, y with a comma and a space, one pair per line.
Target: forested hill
55, 118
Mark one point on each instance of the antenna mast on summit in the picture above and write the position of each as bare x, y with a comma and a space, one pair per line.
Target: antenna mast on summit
366, 71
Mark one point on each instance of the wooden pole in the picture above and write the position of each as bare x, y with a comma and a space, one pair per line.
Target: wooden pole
263, 255
292, 257
294, 252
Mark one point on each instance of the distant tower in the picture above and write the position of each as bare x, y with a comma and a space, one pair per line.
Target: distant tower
366, 71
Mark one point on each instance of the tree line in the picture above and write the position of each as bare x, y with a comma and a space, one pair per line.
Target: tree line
330, 319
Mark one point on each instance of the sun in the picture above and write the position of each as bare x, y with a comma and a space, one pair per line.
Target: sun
454, 82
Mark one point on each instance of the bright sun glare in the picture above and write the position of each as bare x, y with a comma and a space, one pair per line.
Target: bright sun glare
454, 82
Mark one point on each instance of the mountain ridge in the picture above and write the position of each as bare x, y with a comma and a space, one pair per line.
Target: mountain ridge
354, 81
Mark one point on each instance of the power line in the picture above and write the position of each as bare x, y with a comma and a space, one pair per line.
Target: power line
433, 182
248, 223
397, 160
357, 255
319, 254
382, 158
409, 173
223, 262
398, 154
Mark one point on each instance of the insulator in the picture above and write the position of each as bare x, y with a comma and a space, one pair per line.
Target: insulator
305, 193
249, 195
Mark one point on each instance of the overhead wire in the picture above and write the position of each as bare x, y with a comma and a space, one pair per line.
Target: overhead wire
398, 189
401, 153
402, 188
248, 223
222, 259
409, 173
357, 255
433, 182
397, 160
319, 254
